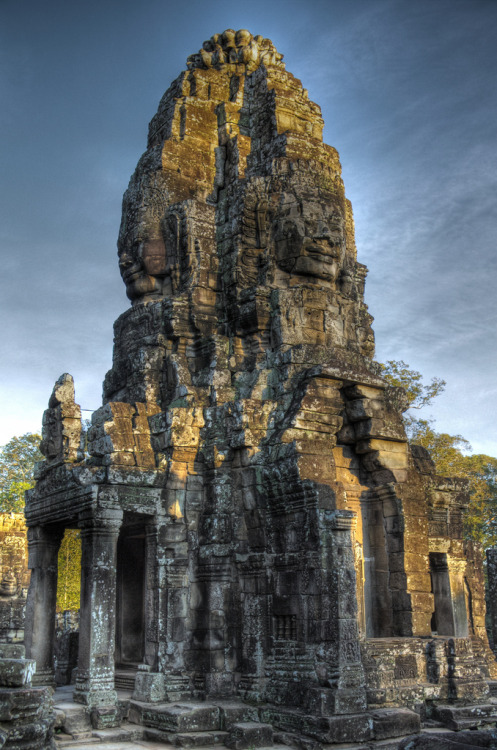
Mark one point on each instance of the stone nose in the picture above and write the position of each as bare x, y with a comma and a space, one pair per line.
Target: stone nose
125, 261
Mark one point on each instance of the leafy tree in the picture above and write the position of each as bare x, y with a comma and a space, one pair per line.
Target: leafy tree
17, 460
445, 450
449, 452
398, 373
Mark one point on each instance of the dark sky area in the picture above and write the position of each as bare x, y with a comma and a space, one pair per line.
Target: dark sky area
408, 91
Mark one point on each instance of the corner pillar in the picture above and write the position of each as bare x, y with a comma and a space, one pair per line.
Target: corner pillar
492, 593
343, 674
43, 547
457, 570
150, 682
95, 677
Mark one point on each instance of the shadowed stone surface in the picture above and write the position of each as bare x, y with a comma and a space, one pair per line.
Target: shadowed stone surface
254, 523
26, 713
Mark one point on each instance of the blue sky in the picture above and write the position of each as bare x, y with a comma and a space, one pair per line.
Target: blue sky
408, 92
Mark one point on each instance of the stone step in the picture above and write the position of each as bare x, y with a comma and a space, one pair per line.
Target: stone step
394, 722
446, 740
124, 679
216, 738
294, 740
131, 745
199, 739
125, 733
73, 720
178, 717
461, 724
231, 712
66, 742
466, 717
249, 734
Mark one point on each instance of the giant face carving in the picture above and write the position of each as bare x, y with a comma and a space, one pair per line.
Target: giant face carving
143, 257
8, 584
309, 238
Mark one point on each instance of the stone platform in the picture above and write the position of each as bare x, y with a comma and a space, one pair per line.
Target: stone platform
215, 725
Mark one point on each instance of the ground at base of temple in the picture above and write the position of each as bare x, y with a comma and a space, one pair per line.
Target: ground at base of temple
430, 739
74, 730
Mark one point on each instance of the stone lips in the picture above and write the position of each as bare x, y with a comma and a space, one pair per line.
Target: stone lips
248, 501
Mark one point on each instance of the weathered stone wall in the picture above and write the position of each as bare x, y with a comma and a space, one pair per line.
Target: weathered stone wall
14, 548
14, 576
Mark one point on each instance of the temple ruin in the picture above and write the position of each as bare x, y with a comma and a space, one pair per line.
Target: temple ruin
265, 558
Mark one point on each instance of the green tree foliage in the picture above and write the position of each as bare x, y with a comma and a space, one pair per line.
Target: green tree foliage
69, 576
398, 373
445, 450
17, 460
449, 452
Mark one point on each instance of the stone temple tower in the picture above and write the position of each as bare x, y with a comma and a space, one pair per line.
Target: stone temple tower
257, 534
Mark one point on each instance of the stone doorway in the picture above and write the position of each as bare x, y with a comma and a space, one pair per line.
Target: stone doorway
130, 597
377, 594
449, 592
442, 621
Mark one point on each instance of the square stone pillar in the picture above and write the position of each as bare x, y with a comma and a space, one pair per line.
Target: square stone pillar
341, 670
150, 682
492, 593
97, 625
154, 591
43, 546
457, 571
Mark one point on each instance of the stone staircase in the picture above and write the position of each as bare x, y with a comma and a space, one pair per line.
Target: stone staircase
218, 725
124, 679
194, 725
458, 718
183, 725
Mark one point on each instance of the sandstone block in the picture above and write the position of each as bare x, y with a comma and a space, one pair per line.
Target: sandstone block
16, 672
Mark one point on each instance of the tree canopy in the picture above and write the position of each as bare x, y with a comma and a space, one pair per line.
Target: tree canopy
419, 394
17, 460
450, 453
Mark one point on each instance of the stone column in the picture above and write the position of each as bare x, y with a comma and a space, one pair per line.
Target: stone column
457, 569
97, 626
342, 668
43, 546
150, 683
492, 592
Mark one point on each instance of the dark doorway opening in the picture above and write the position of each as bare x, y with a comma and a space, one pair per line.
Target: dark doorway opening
442, 621
130, 611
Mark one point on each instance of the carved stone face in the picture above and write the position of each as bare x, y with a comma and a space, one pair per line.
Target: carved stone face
143, 257
142, 268
8, 584
309, 239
